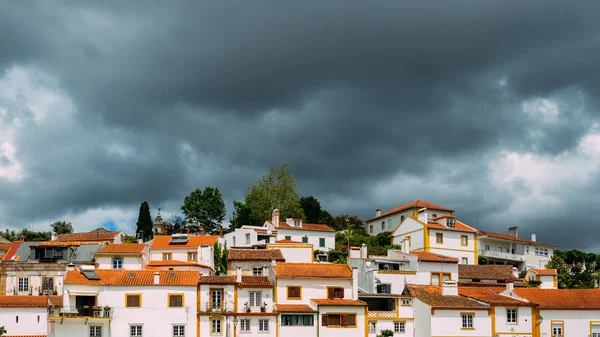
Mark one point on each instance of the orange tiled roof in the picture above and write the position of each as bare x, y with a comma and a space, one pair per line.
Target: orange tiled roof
433, 257
255, 255
312, 270
162, 241
294, 308
338, 302
217, 280
255, 281
305, 226
413, 204
508, 237
25, 335
490, 295
1, 257
176, 263
29, 301
287, 241
432, 296
69, 243
486, 272
11, 251
4, 246
136, 248
545, 272
458, 226
91, 236
134, 277
562, 298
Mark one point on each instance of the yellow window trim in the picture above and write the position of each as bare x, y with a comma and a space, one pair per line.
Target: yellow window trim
128, 295
175, 294
287, 293
562, 322
440, 277
466, 244
170, 256
591, 323
437, 234
195, 254
343, 326
467, 313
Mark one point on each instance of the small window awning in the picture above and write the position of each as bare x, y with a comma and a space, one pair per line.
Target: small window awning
83, 293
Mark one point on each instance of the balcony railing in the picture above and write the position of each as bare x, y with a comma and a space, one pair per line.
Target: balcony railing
209, 307
83, 311
382, 314
502, 255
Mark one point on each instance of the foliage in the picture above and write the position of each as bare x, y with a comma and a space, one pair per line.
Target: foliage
62, 227
2, 331
386, 333
522, 273
276, 190
575, 277
144, 223
326, 218
337, 256
174, 224
10, 235
312, 209
27, 235
483, 260
204, 208
343, 221
376, 245
533, 284
129, 239
220, 258
242, 215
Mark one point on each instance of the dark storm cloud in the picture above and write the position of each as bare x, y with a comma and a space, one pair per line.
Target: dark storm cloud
352, 94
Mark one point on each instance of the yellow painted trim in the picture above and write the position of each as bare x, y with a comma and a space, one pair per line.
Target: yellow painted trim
512, 333
406, 305
170, 256
493, 320
555, 279
276, 290
467, 240
452, 249
235, 299
396, 272
277, 325
437, 234
426, 238
535, 327
473, 319
194, 259
287, 293
591, 323
397, 307
366, 322
132, 295
286, 245
440, 277
475, 249
413, 231
409, 241
175, 294
198, 310
562, 322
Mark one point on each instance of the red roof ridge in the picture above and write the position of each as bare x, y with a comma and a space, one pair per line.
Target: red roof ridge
508, 237
412, 204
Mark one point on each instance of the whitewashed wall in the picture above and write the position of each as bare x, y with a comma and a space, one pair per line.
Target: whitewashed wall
311, 288
452, 245
547, 282
358, 331
35, 281
576, 322
313, 237
130, 262
523, 324
32, 321
204, 254
414, 229
449, 323
422, 322
294, 253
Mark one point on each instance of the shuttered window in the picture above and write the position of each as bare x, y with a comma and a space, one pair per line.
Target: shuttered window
133, 301
345, 320
335, 292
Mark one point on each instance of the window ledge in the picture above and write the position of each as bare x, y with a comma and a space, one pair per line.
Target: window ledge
467, 328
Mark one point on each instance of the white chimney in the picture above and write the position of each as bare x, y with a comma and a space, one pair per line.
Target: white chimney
509, 287
70, 266
533, 237
273, 262
513, 232
140, 241
515, 272
238, 274
405, 246
87, 267
354, 283
363, 251
156, 277
377, 213
265, 271
53, 236
450, 288
423, 215
275, 217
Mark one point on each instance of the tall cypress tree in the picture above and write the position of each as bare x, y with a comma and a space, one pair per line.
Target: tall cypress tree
144, 223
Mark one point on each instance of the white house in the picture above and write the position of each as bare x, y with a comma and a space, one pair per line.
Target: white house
26, 315
100, 303
442, 234
294, 251
252, 261
488, 275
514, 250
389, 220
183, 252
130, 256
547, 277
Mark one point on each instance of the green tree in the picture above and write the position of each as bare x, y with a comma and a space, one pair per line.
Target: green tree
175, 223
565, 279
144, 223
129, 239
276, 190
482, 259
220, 254
342, 222
33, 236
2, 331
204, 208
326, 218
242, 215
312, 209
62, 227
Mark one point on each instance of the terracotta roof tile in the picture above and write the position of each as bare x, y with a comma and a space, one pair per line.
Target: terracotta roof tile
433, 257
137, 248
134, 277
255, 281
545, 272
29, 301
4, 246
458, 226
562, 298
305, 227
287, 241
69, 243
485, 272
217, 280
491, 295
177, 263
294, 308
413, 204
24, 335
162, 241
508, 237
255, 255
312, 270
338, 302
11, 251
91, 236
432, 296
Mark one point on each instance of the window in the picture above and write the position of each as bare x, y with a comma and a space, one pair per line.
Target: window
216, 298
434, 215
389, 223
255, 299
47, 285
215, 326
335, 292
467, 320
117, 262
338, 320
557, 329
192, 256
384, 288
511, 315
296, 223
439, 237
133, 300
178, 330
257, 271
166, 256
321, 242
247, 238
465, 260
176, 300
23, 284
406, 301
135, 330
388, 266
383, 225
527, 249
297, 320
370, 228
487, 247
305, 239
244, 325
234, 241
450, 222
95, 331
294, 293
464, 240
287, 237
595, 329
399, 326
263, 325
372, 327
437, 278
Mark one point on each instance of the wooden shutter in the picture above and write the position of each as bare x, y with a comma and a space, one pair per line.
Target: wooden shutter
352, 319
330, 293
343, 320
324, 320
133, 301
341, 292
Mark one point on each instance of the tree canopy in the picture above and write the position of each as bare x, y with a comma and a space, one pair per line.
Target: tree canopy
583, 272
312, 209
204, 208
242, 215
62, 227
144, 223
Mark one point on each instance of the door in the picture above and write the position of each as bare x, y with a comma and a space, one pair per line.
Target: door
85, 305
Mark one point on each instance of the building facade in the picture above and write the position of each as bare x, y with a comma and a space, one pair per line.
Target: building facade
513, 250
389, 220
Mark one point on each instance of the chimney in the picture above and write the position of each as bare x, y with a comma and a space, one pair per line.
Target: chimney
405, 246
202, 231
450, 288
354, 283
156, 277
273, 262
140, 241
377, 213
363, 251
70, 266
221, 232
509, 286
515, 272
265, 270
513, 232
53, 236
533, 237
275, 218
423, 215
238, 274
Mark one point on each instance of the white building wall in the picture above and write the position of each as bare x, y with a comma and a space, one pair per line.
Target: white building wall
244, 297
426, 268
389, 222
311, 288
247, 266
452, 245
328, 331
449, 323
422, 322
204, 254
295, 254
130, 262
523, 324
533, 261
240, 238
384, 324
313, 237
35, 281
576, 322
306, 331
31, 321
228, 296
412, 228
547, 282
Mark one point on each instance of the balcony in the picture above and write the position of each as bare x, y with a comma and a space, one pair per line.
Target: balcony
502, 255
208, 307
382, 314
82, 312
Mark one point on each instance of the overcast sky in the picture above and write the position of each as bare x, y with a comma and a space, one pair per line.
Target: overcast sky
487, 107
